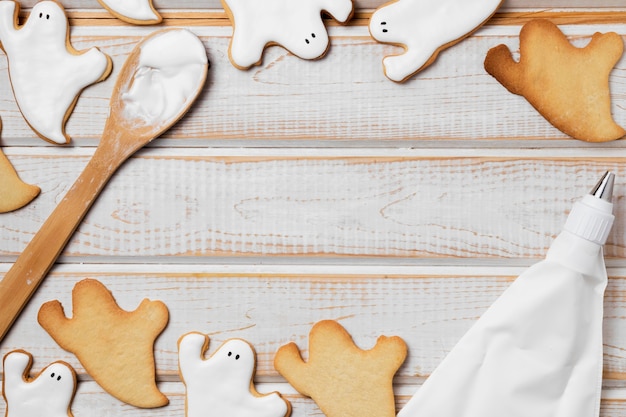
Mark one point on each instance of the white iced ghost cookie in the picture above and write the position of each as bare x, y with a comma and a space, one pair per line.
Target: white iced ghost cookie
223, 384
48, 394
46, 73
295, 25
424, 28
137, 12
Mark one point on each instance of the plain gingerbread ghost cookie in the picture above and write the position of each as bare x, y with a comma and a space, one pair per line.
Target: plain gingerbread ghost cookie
424, 28
48, 394
137, 12
343, 380
567, 85
295, 25
116, 347
47, 74
223, 384
14, 193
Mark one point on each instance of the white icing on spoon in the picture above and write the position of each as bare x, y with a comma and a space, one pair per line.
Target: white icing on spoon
163, 83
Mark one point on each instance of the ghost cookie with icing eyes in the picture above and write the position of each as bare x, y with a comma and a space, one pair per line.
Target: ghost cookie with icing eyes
47, 74
295, 25
424, 28
137, 12
48, 394
222, 385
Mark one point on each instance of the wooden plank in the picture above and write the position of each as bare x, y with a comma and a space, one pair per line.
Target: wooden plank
429, 307
90, 397
343, 98
195, 18
359, 4
188, 204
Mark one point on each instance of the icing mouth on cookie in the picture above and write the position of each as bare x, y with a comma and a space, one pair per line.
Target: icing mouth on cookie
168, 74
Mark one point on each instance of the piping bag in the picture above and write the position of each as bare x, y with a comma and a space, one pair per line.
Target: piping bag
537, 351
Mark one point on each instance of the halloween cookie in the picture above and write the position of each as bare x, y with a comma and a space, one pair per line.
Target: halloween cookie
48, 394
223, 385
116, 347
137, 12
47, 74
344, 380
425, 28
567, 85
14, 193
296, 26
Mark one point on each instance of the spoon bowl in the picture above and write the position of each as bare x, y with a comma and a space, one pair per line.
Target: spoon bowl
157, 85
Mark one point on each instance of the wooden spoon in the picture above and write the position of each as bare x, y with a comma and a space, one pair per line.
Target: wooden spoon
124, 133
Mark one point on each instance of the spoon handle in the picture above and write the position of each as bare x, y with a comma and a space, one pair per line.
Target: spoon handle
21, 281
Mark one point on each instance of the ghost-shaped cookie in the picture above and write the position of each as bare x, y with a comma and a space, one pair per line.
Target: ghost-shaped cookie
222, 385
14, 193
47, 74
343, 379
424, 28
567, 85
137, 12
295, 25
48, 394
115, 346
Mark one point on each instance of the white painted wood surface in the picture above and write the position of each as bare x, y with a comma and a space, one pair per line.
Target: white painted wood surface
299, 191
359, 4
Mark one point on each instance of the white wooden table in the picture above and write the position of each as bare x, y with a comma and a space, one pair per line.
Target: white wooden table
306, 190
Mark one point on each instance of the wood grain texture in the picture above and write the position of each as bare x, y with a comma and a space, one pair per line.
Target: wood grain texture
430, 308
359, 4
306, 190
186, 205
89, 398
341, 99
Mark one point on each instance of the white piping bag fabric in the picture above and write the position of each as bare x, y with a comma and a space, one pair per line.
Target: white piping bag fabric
536, 352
